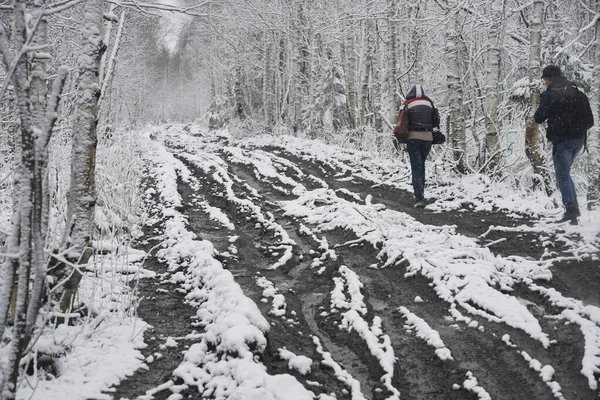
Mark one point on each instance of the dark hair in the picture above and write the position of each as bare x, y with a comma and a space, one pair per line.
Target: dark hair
551, 71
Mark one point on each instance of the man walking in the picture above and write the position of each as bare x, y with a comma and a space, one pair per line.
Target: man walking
569, 117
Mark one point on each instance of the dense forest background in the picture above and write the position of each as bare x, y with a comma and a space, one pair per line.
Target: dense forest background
79, 76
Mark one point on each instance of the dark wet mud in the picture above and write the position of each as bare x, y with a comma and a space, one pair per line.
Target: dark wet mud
419, 374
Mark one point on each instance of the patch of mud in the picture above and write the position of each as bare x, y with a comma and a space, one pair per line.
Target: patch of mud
419, 374
162, 306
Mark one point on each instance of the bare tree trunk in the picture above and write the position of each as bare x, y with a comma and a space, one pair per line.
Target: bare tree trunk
10, 263
593, 197
239, 95
392, 61
25, 208
282, 99
532, 130
268, 102
367, 77
301, 63
376, 82
105, 78
25, 245
316, 87
298, 95
349, 67
455, 95
81, 198
107, 33
492, 80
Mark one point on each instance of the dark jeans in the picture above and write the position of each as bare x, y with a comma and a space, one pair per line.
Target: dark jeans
563, 155
418, 150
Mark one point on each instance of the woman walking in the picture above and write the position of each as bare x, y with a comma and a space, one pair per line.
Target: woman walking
422, 118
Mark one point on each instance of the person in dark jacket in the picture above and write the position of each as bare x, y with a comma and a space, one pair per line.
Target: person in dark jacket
422, 118
567, 136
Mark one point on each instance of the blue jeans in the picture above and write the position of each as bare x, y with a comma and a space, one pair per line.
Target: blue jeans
418, 150
563, 155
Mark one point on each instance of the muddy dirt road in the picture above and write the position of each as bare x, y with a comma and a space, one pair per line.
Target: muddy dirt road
311, 242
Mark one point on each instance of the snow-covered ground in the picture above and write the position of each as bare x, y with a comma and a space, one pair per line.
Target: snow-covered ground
477, 285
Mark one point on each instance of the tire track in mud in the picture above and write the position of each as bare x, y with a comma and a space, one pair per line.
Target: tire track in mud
498, 357
418, 374
294, 332
570, 277
162, 306
421, 373
310, 294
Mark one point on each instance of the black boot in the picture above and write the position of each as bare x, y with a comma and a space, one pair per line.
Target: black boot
571, 214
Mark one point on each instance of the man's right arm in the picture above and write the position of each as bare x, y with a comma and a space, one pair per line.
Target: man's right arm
543, 111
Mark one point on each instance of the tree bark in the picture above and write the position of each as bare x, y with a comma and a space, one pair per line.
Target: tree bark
492, 81
365, 108
593, 197
301, 63
268, 102
376, 80
26, 203
393, 102
532, 130
240, 109
455, 96
81, 197
349, 67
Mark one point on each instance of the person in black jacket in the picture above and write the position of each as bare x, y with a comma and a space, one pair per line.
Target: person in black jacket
422, 118
565, 131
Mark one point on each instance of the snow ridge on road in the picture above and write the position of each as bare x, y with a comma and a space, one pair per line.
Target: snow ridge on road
471, 276
354, 319
461, 271
425, 332
223, 363
214, 166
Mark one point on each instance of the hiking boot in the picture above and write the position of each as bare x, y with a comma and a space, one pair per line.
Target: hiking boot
420, 204
571, 214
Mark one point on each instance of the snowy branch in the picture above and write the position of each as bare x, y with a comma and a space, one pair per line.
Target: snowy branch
111, 61
6, 54
158, 6
11, 62
591, 25
52, 109
62, 6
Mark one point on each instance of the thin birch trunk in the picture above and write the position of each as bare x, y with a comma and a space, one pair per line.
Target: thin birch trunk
268, 102
455, 95
532, 130
238, 94
349, 66
40, 175
25, 208
25, 245
107, 33
298, 120
392, 61
106, 78
492, 81
302, 69
10, 262
281, 90
376, 83
81, 198
593, 196
367, 77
